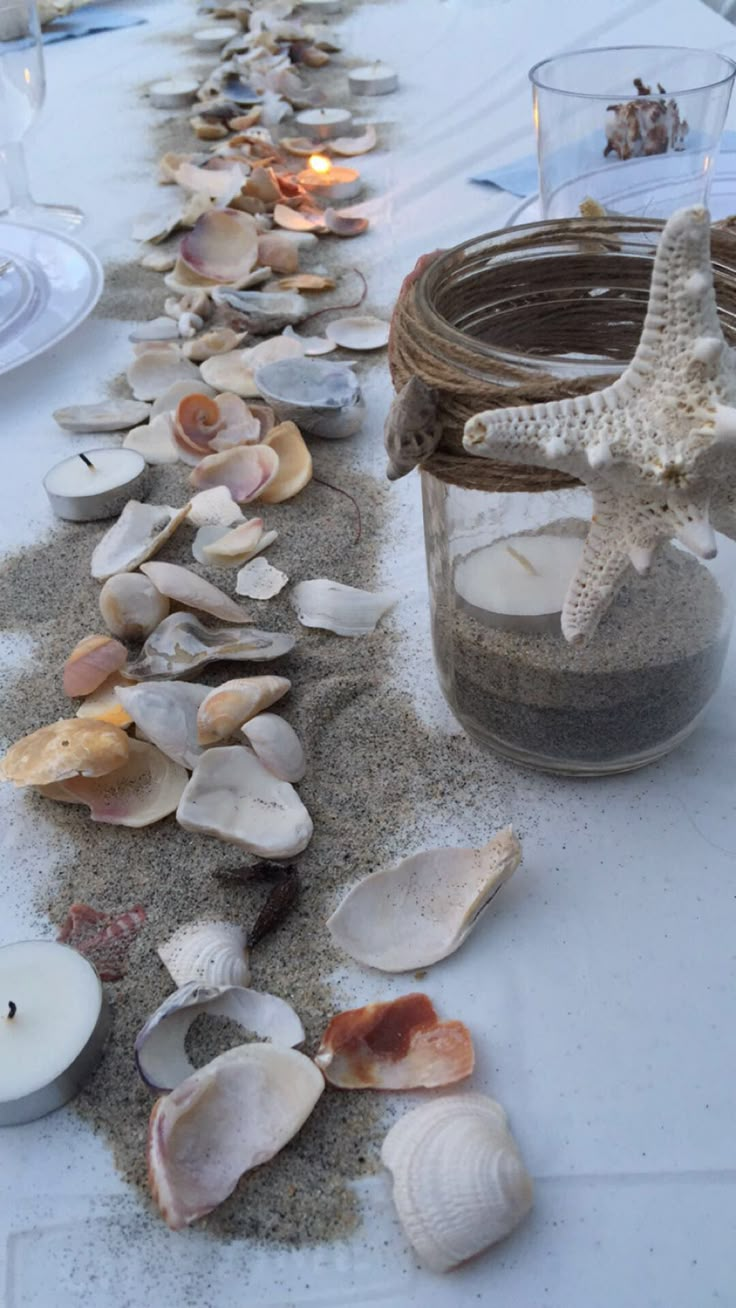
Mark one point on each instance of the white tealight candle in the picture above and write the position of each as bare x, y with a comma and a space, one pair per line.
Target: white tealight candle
214, 37
322, 124
95, 484
519, 584
329, 182
374, 79
54, 1020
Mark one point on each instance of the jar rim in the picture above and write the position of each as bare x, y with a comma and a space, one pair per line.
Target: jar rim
535, 72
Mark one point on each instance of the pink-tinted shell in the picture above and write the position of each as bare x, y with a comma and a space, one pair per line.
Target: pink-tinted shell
103, 938
246, 470
196, 421
222, 245
91, 662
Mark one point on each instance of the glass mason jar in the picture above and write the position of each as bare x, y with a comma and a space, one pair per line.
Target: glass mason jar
499, 560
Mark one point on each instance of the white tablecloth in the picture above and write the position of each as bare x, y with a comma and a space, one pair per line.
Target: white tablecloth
611, 1037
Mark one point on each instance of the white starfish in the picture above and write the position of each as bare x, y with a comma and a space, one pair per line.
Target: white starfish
657, 448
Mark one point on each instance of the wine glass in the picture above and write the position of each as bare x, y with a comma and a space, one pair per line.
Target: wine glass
22, 89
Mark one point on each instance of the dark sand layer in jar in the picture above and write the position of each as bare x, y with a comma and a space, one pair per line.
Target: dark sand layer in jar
638, 684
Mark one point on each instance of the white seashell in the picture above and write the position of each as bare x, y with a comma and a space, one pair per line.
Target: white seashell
460, 1185
262, 312
160, 1051
187, 326
181, 644
207, 536
118, 415
167, 712
210, 952
230, 1116
185, 587
231, 795
158, 329
420, 911
216, 341
311, 345
293, 220
213, 183
322, 398
161, 261
277, 746
214, 508
194, 301
169, 399
131, 606
154, 227
155, 441
174, 93
344, 224
361, 332
139, 532
246, 470
259, 580
278, 254
153, 372
146, 788
222, 246
295, 464
233, 703
234, 545
348, 146
234, 371
300, 240
346, 610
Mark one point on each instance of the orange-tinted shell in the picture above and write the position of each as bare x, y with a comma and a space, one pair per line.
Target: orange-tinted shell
68, 748
196, 421
400, 1045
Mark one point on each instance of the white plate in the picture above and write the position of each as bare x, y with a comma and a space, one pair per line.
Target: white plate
53, 284
722, 202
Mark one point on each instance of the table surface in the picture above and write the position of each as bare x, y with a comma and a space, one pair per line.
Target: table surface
603, 1002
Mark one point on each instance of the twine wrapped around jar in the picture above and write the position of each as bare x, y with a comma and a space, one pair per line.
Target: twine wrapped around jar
528, 315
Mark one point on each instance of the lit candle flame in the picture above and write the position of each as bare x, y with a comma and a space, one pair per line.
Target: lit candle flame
319, 163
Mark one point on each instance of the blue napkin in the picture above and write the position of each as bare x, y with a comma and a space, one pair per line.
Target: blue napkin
521, 177
88, 21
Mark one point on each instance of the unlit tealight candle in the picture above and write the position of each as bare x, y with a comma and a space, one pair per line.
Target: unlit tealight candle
519, 584
95, 484
374, 79
323, 124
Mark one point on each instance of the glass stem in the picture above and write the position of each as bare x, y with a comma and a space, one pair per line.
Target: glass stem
16, 175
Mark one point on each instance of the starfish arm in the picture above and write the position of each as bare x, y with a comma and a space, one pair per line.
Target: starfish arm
563, 434
601, 570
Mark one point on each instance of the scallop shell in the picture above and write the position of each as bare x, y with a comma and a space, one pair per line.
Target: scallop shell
214, 508
420, 911
277, 746
361, 332
166, 711
399, 1045
181, 644
346, 610
185, 587
68, 748
155, 440
212, 953
258, 580
295, 464
104, 705
160, 1051
118, 415
131, 606
343, 224
234, 702
322, 398
139, 532
246, 470
460, 1185
90, 663
231, 795
143, 790
230, 1116
222, 246
152, 372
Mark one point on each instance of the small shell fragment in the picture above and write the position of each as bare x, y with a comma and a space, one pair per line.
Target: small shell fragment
420, 911
400, 1045
68, 748
361, 332
139, 532
144, 789
293, 220
166, 712
154, 440
233, 546
218, 340
214, 508
346, 610
310, 283
104, 938
104, 705
258, 580
230, 1116
343, 224
277, 745
348, 146
228, 706
152, 372
184, 587
90, 663
212, 953
181, 644
118, 415
246, 470
232, 796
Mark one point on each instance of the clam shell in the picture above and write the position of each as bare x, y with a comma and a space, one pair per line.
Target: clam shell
139, 532
118, 415
185, 587
321, 398
131, 606
361, 332
420, 911
166, 711
460, 1185
155, 441
212, 953
154, 371
258, 580
144, 789
160, 1051
234, 702
246, 470
262, 312
295, 464
222, 246
214, 508
234, 371
400, 1045
90, 663
231, 795
343, 224
277, 745
346, 610
68, 748
181, 644
230, 1116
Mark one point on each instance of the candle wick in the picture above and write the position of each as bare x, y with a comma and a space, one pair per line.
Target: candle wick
12, 1010
523, 560
84, 459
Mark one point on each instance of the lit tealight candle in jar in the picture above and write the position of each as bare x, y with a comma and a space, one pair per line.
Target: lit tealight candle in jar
519, 584
325, 181
96, 484
54, 1020
374, 79
321, 124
